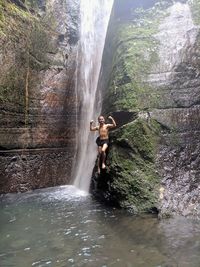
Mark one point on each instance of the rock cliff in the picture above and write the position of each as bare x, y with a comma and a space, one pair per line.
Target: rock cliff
151, 85
38, 42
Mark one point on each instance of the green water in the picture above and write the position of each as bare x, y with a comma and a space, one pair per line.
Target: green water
59, 227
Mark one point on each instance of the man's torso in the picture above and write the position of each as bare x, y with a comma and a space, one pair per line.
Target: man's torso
103, 132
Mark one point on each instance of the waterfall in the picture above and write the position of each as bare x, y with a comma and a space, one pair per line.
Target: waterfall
95, 16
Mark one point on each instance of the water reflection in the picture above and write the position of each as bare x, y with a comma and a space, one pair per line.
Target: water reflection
63, 227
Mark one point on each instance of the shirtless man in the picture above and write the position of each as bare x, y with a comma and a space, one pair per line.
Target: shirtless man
102, 140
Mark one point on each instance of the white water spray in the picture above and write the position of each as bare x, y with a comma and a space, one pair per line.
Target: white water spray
95, 16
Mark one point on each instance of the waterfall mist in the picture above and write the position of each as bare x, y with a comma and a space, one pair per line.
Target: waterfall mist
94, 22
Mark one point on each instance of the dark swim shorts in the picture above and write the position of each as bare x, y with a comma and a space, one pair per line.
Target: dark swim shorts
102, 142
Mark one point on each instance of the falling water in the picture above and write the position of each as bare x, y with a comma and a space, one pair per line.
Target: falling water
94, 22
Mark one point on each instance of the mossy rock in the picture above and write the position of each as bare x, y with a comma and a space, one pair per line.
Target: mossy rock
26, 41
131, 180
195, 8
135, 53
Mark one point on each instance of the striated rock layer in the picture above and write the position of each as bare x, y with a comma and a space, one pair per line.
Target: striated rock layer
179, 110
151, 84
38, 41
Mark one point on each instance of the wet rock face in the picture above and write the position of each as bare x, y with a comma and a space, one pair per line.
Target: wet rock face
130, 180
37, 99
178, 111
23, 170
154, 71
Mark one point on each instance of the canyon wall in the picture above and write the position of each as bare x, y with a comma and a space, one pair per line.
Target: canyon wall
151, 85
38, 41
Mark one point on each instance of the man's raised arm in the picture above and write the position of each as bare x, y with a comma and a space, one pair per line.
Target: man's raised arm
113, 125
92, 128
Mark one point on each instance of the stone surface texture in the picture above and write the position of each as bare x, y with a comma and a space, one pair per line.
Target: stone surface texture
154, 73
38, 41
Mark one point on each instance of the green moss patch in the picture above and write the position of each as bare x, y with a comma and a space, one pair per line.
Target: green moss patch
12, 87
132, 181
32, 4
195, 8
25, 42
136, 50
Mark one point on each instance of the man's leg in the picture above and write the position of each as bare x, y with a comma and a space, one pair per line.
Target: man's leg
105, 146
99, 158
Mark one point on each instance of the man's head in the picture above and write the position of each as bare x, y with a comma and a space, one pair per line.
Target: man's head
101, 120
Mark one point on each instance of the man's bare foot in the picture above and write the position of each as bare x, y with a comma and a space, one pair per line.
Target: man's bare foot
103, 166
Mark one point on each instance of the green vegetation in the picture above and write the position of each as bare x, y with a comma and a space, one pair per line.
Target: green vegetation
136, 50
25, 43
143, 141
12, 87
195, 8
12, 15
32, 4
133, 181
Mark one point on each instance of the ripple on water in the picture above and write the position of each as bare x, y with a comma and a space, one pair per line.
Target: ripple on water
65, 232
